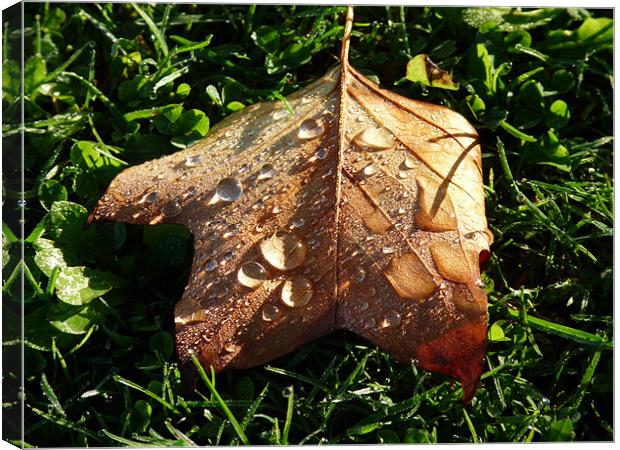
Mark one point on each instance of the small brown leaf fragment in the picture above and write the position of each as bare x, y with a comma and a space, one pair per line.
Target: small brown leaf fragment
410, 278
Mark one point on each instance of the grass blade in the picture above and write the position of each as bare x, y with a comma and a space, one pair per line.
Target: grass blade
51, 395
159, 37
179, 434
125, 441
254, 407
289, 416
299, 377
154, 396
470, 425
572, 334
222, 404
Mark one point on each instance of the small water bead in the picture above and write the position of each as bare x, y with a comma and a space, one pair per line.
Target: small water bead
149, 198
362, 305
193, 161
322, 153
409, 162
370, 169
251, 275
191, 191
403, 174
280, 114
402, 210
287, 391
310, 129
231, 347
171, 208
283, 250
296, 291
388, 250
266, 172
229, 189
270, 313
298, 222
359, 275
391, 319
375, 139
210, 265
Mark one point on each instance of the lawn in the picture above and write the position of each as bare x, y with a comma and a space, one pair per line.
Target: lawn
99, 355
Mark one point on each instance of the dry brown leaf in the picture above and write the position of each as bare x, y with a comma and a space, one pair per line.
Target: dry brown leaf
363, 210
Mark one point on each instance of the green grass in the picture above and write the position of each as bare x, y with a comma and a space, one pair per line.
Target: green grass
108, 86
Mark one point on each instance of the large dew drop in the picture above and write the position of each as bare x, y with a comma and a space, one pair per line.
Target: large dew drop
229, 189
374, 139
296, 292
310, 129
251, 275
284, 251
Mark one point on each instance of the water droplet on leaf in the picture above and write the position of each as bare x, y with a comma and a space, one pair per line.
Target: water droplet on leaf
266, 172
270, 312
375, 139
210, 265
229, 189
171, 208
298, 222
310, 129
322, 153
280, 114
409, 162
391, 319
370, 169
149, 197
283, 250
193, 161
359, 275
296, 291
251, 275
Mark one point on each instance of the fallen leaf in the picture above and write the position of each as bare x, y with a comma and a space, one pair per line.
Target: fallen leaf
363, 210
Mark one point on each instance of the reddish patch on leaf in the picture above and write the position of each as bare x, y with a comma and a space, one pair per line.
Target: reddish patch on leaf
483, 259
458, 353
